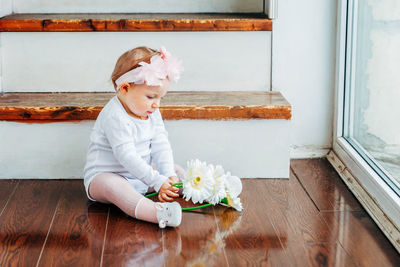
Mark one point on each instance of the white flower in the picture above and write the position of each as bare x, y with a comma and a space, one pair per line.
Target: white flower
218, 176
233, 185
209, 183
198, 181
234, 202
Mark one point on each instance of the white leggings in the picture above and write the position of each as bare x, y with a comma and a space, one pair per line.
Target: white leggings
115, 189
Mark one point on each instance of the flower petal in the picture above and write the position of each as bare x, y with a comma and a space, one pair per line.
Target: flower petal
233, 185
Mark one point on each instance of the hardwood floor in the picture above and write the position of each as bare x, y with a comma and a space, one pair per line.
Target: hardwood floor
311, 219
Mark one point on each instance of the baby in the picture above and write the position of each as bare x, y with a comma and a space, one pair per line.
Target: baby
129, 138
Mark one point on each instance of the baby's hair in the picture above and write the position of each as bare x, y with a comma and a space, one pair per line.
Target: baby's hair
130, 60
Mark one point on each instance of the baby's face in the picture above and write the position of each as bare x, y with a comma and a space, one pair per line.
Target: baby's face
142, 100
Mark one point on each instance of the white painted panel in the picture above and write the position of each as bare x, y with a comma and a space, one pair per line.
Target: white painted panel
73, 62
5, 7
304, 70
256, 148
52, 150
252, 148
138, 6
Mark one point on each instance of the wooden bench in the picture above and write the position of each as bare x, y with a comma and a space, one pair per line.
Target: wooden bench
135, 22
49, 107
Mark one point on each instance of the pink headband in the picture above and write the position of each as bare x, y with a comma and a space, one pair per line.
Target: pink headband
160, 67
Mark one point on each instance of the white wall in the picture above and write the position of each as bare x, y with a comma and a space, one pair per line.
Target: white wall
83, 62
127, 6
5, 7
303, 70
252, 148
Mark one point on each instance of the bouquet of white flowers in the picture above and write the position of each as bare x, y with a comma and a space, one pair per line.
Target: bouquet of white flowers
209, 183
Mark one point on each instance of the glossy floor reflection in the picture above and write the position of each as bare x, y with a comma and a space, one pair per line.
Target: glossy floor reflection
309, 220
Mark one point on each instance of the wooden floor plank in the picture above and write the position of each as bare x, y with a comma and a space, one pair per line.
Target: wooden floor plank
292, 213
324, 254
130, 242
248, 236
324, 185
7, 188
26, 220
294, 210
196, 242
362, 238
77, 233
279, 226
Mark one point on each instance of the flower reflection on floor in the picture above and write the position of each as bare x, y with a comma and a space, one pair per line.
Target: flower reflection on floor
211, 244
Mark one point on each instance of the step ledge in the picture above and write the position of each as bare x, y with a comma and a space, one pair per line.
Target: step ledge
55, 107
135, 22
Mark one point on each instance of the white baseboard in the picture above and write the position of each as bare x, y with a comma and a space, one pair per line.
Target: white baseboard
309, 151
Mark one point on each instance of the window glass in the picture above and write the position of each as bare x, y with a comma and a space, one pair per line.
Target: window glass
373, 89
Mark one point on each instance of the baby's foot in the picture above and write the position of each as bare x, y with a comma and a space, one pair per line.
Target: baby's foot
169, 214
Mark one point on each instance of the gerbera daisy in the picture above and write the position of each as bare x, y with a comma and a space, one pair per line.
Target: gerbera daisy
198, 182
219, 184
233, 202
233, 185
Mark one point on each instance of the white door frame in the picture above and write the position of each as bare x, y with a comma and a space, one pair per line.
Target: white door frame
380, 201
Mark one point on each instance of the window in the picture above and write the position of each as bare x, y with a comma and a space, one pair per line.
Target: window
373, 90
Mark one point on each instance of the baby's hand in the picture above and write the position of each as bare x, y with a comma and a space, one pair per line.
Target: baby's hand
167, 191
174, 179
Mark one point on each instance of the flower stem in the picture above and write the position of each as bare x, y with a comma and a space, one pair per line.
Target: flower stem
152, 194
225, 200
197, 207
178, 185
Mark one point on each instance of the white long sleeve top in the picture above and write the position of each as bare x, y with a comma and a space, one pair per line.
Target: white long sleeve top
127, 146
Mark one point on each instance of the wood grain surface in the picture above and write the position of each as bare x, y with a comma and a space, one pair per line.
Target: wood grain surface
130, 242
324, 185
249, 237
174, 106
135, 22
361, 238
294, 215
51, 223
77, 232
197, 241
26, 220
7, 188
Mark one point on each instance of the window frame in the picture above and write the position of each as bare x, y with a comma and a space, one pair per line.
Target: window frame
375, 187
